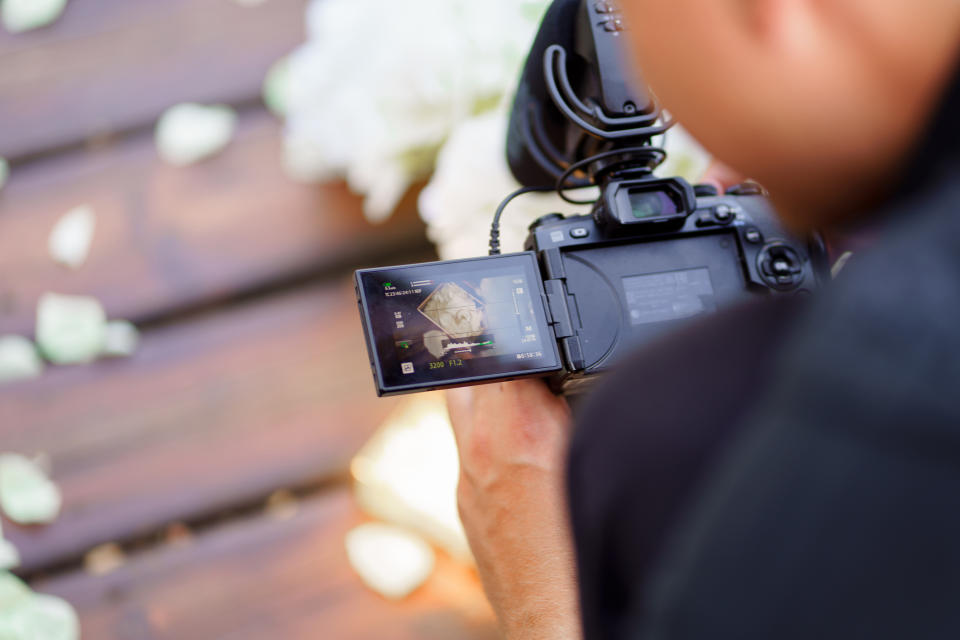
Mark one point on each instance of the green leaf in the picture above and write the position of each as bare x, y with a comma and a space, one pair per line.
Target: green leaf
27, 496
4, 172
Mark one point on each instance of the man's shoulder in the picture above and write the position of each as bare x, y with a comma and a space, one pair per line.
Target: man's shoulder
709, 371
882, 344
647, 437
839, 488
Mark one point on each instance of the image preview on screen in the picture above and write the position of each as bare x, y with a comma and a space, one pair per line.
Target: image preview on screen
442, 322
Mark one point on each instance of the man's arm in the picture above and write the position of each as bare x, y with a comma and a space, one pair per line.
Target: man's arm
513, 440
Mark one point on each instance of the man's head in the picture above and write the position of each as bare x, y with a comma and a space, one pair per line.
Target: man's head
817, 99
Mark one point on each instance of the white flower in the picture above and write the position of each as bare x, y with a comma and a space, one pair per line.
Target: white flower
275, 87
685, 157
380, 84
472, 178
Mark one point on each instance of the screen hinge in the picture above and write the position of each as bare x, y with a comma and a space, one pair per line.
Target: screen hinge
561, 322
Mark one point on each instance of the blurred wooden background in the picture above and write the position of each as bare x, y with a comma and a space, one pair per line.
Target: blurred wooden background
251, 377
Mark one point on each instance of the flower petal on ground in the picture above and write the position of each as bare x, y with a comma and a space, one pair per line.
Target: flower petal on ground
12, 590
43, 616
27, 495
121, 339
9, 556
389, 560
19, 359
24, 15
70, 329
188, 132
71, 237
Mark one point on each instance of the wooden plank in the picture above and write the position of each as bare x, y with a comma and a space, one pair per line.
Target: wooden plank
208, 414
271, 579
110, 65
169, 238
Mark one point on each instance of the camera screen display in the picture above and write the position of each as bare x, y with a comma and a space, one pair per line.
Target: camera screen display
651, 204
446, 323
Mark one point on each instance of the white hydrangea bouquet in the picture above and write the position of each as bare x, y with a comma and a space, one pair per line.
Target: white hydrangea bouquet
386, 93
379, 85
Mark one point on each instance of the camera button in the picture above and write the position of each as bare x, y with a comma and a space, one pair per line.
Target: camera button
723, 213
705, 190
542, 220
579, 232
753, 235
780, 266
603, 7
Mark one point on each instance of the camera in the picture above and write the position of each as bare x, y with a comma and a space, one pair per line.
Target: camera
652, 253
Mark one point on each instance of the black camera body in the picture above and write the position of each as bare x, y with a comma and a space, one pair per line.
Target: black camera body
652, 253
610, 288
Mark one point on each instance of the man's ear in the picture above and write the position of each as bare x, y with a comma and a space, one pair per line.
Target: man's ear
788, 26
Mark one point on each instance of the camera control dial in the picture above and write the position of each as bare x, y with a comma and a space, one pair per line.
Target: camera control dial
780, 266
542, 220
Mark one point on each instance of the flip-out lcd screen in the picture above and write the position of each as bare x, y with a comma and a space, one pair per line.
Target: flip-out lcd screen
445, 323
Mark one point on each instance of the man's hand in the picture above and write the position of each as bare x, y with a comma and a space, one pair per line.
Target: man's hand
513, 439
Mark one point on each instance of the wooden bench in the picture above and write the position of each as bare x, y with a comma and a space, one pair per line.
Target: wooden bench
251, 376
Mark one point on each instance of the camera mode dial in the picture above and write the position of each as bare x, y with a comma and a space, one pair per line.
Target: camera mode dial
542, 220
